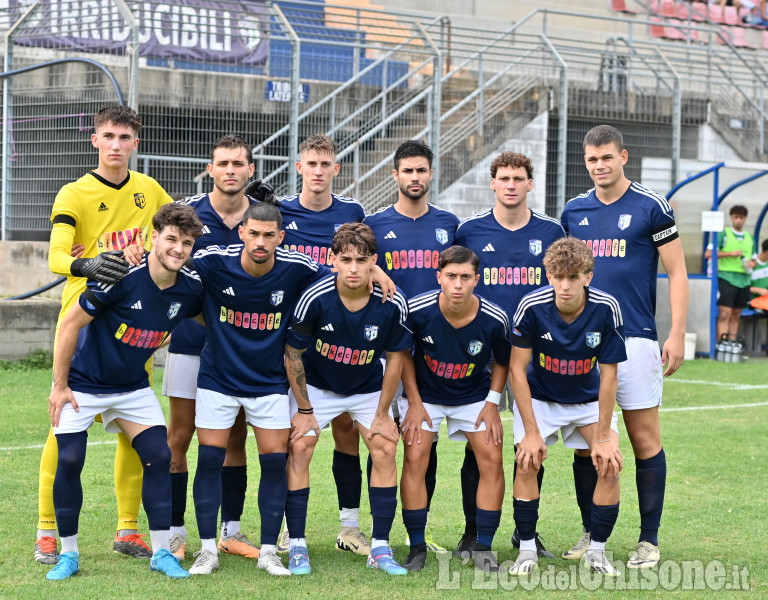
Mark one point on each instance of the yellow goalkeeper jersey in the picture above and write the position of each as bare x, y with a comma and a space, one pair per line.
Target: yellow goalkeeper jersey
102, 216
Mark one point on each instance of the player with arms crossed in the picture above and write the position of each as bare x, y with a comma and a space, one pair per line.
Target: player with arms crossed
510, 240
457, 334
628, 227
311, 218
569, 329
101, 349
99, 215
221, 211
339, 333
410, 235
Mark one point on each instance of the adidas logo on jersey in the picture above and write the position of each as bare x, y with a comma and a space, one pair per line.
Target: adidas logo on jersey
428, 339
547, 336
328, 327
489, 248
292, 225
390, 236
229, 291
102, 207
206, 230
584, 221
137, 305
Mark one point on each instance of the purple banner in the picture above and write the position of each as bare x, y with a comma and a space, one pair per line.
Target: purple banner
201, 30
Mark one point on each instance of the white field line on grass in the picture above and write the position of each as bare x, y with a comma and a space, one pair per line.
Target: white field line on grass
733, 386
39, 446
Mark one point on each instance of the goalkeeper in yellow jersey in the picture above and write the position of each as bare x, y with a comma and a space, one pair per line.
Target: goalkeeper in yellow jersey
96, 218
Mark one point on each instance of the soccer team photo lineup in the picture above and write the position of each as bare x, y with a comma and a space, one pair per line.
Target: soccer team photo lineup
289, 316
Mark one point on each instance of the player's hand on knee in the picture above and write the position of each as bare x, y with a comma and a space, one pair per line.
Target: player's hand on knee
494, 431
605, 454
57, 400
410, 428
301, 424
77, 251
107, 267
384, 425
530, 451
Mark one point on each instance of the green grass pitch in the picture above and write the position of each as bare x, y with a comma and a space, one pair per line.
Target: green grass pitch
713, 537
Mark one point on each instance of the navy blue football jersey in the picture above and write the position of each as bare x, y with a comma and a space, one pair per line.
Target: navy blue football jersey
343, 347
565, 355
624, 237
189, 337
451, 363
131, 320
311, 231
246, 319
510, 261
409, 248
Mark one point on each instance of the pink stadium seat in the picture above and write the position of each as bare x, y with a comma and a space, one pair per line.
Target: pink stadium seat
657, 31
715, 13
699, 11
668, 8
682, 11
621, 6
673, 33
765, 39
739, 37
731, 15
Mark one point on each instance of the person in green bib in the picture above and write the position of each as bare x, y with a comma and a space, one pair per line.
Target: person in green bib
759, 283
735, 261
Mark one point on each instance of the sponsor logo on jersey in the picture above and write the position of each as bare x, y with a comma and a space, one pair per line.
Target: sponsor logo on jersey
173, 309
563, 366
390, 236
229, 291
276, 297
474, 347
449, 370
547, 336
608, 248
624, 221
140, 338
428, 340
292, 225
206, 230
139, 200
342, 354
102, 207
593, 339
118, 240
584, 221
328, 327
512, 276
489, 248
248, 320
534, 247
136, 305
371, 332
321, 255
441, 235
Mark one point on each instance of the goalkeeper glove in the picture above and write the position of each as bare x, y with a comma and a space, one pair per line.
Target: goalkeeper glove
107, 267
263, 192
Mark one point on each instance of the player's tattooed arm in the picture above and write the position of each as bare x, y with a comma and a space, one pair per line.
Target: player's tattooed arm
304, 420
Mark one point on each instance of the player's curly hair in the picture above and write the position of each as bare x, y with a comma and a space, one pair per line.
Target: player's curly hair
514, 160
412, 149
356, 236
738, 209
233, 142
458, 255
602, 135
568, 256
118, 115
320, 143
181, 216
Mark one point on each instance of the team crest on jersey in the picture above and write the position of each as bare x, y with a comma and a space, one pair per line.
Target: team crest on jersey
624, 221
173, 309
593, 339
442, 236
474, 347
276, 297
371, 331
139, 200
534, 246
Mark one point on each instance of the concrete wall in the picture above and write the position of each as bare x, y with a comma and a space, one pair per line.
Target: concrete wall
27, 325
24, 267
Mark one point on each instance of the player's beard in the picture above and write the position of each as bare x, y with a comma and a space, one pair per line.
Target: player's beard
414, 195
162, 258
260, 260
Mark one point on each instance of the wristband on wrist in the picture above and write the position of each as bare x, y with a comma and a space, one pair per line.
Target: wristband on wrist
493, 397
306, 411
602, 441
